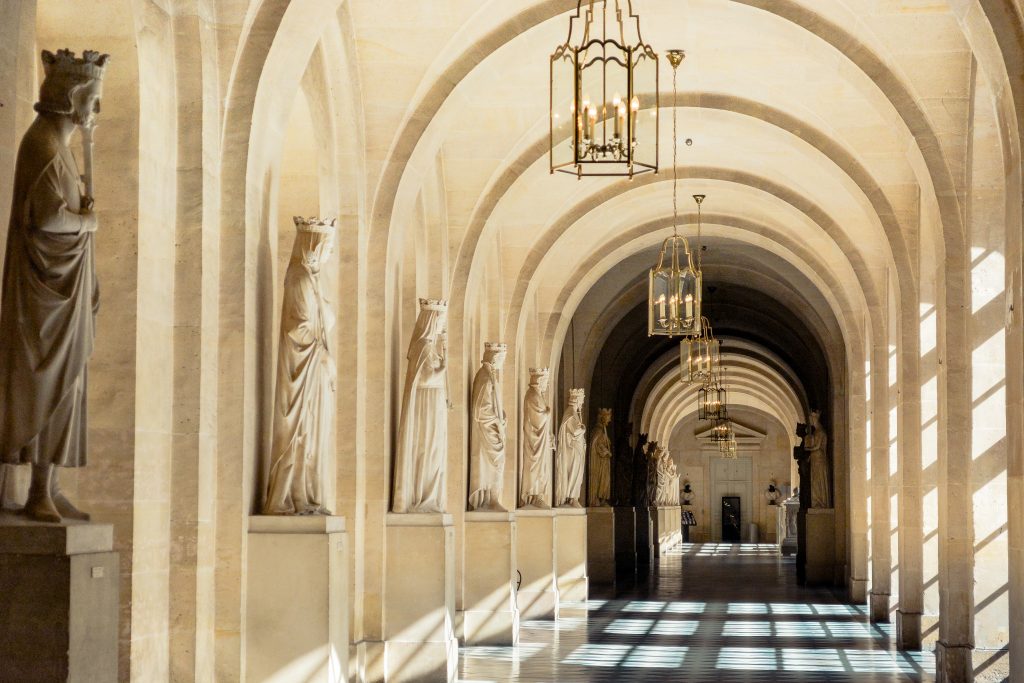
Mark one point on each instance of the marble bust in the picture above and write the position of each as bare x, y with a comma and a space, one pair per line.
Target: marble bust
304, 401
419, 482
538, 443
50, 291
601, 461
571, 453
487, 433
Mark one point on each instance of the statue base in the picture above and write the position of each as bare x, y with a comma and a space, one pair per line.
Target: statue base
419, 599
535, 559
601, 545
954, 663
879, 608
667, 527
625, 544
571, 555
489, 598
289, 632
821, 542
908, 630
58, 601
644, 536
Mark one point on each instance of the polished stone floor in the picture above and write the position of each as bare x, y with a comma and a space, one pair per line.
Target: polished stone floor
708, 612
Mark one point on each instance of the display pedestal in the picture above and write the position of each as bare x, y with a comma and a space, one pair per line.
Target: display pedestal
58, 601
644, 537
601, 545
296, 622
491, 616
820, 546
535, 555
571, 554
419, 599
625, 543
667, 527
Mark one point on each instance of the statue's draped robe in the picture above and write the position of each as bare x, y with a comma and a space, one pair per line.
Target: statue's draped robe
487, 441
652, 473
664, 478
304, 404
48, 311
816, 443
538, 447
600, 467
569, 458
640, 489
419, 478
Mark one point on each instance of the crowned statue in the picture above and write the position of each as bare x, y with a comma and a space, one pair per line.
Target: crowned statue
420, 472
601, 461
50, 292
487, 433
571, 453
304, 402
538, 443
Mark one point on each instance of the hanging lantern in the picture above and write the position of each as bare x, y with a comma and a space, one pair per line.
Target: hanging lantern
728, 448
721, 431
712, 400
700, 356
604, 94
674, 292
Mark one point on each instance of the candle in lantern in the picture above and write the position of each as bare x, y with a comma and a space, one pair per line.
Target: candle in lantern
617, 104
661, 308
593, 120
689, 306
634, 105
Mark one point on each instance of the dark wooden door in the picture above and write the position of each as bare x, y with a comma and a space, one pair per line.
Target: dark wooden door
730, 518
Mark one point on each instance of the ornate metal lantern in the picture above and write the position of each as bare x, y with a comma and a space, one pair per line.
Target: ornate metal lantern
712, 399
721, 431
728, 448
701, 356
604, 94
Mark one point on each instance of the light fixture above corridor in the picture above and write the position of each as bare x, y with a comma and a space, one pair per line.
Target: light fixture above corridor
604, 94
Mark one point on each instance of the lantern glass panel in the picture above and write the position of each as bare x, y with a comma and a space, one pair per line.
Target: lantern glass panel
643, 108
564, 118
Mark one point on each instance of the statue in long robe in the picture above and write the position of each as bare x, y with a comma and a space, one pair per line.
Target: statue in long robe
304, 402
601, 461
538, 443
422, 448
487, 433
653, 455
816, 446
663, 475
571, 453
50, 291
640, 498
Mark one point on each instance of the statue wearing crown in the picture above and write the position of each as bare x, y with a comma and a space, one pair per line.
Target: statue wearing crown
419, 481
538, 443
50, 294
304, 401
571, 453
601, 461
487, 433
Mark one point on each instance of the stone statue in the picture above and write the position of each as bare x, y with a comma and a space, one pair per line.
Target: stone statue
653, 455
538, 443
304, 402
487, 433
50, 292
664, 476
601, 461
622, 468
419, 477
816, 446
571, 453
640, 487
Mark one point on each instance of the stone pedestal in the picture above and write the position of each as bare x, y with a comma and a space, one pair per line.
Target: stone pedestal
908, 630
601, 545
953, 663
820, 544
644, 537
535, 556
489, 579
571, 554
419, 599
58, 601
296, 623
667, 529
879, 608
625, 543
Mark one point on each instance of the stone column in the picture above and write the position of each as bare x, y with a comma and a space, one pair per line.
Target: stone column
911, 507
881, 525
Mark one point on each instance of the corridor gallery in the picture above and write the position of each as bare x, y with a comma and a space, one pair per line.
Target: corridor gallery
511, 340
